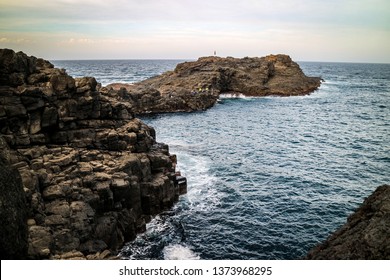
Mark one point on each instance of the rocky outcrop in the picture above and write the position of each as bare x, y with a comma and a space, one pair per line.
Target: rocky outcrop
366, 234
196, 85
92, 174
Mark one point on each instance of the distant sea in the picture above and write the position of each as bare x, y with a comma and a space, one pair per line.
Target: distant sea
117, 71
270, 177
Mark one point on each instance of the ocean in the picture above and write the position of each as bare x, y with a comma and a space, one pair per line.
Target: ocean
270, 177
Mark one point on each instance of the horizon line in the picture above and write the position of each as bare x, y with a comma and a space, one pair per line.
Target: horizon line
195, 59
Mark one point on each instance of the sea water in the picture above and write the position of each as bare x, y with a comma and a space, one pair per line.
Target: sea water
270, 177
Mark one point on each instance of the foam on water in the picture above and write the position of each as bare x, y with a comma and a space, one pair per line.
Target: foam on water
179, 252
270, 177
234, 95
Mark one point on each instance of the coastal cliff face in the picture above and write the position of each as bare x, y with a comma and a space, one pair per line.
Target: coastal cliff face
365, 235
196, 85
92, 174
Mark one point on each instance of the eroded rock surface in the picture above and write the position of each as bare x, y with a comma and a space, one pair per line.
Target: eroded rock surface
92, 174
196, 85
366, 234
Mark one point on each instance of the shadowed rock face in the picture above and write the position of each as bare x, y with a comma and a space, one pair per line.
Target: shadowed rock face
92, 174
13, 214
365, 235
197, 85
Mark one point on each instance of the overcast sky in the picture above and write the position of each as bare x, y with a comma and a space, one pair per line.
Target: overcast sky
307, 30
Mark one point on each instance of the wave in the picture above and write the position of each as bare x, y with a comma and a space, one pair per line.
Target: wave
234, 95
179, 252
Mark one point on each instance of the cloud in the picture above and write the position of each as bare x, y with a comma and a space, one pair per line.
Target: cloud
19, 40
187, 28
78, 41
196, 11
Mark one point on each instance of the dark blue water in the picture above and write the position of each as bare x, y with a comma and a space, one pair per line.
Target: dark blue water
268, 178
116, 71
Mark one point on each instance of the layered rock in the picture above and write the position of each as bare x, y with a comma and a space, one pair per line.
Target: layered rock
196, 85
92, 174
366, 234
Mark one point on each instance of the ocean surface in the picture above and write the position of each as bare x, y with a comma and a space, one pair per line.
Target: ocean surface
117, 71
268, 178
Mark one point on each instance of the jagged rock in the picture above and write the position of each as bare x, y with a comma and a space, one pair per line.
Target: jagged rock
365, 236
71, 255
41, 242
86, 84
196, 85
15, 67
80, 160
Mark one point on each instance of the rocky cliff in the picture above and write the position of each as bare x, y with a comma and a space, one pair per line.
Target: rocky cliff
92, 174
366, 234
196, 85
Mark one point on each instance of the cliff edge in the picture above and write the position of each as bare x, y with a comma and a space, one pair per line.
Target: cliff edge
197, 85
366, 234
91, 173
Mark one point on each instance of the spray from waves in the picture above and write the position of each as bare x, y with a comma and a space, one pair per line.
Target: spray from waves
201, 193
163, 230
179, 252
232, 95
165, 235
235, 95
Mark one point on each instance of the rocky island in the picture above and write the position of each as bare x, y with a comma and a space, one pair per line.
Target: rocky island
196, 85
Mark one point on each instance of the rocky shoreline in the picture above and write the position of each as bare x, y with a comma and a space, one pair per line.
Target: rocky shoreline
80, 175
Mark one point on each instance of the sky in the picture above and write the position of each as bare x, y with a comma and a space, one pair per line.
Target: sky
307, 30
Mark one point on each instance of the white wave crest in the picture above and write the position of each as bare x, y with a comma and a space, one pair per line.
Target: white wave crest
179, 252
233, 95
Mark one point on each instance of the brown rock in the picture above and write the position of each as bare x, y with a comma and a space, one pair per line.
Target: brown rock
62, 83
85, 84
58, 207
72, 255
196, 85
81, 219
40, 242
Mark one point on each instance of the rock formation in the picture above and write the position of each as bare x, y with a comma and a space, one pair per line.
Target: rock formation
92, 174
197, 85
366, 234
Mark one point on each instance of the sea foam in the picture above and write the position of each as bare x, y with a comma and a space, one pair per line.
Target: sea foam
179, 252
